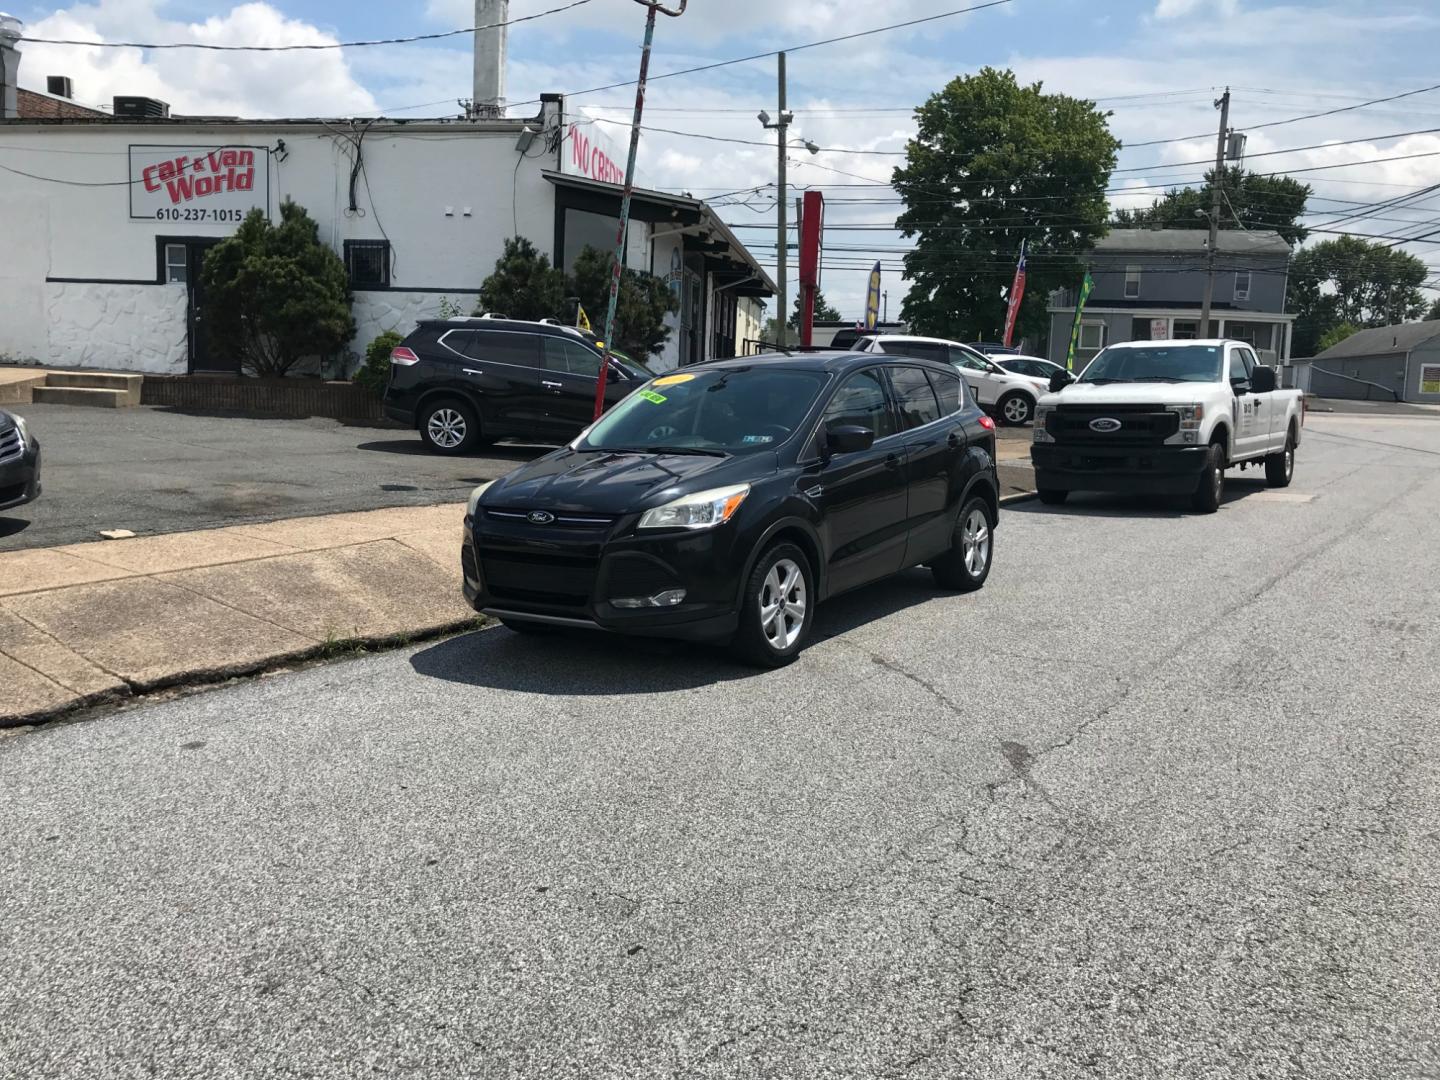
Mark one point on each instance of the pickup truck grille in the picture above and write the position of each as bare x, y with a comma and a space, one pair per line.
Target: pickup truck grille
1140, 425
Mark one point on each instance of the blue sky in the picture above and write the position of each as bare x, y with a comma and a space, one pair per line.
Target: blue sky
1157, 64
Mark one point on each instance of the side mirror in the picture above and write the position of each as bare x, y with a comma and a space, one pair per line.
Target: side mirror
849, 439
1263, 380
1060, 380
614, 374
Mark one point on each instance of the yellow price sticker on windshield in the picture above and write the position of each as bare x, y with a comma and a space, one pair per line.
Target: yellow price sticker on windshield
673, 380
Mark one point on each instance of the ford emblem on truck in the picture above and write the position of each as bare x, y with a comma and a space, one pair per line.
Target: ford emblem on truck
1105, 424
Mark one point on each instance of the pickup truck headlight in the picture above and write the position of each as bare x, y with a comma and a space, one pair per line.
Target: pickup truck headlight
703, 510
1042, 416
1191, 417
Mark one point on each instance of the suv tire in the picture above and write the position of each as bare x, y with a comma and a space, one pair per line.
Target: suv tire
972, 550
769, 634
1211, 488
1053, 496
449, 426
1015, 409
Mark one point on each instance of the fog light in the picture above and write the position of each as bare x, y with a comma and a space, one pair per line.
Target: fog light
669, 598
1191, 436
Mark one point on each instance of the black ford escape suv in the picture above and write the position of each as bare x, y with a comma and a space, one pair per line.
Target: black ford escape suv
464, 383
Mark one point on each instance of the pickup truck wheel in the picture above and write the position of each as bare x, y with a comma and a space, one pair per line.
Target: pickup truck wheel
1280, 468
972, 548
1052, 497
1206, 499
1016, 410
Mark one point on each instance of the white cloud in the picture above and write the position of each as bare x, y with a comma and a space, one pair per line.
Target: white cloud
1178, 9
194, 81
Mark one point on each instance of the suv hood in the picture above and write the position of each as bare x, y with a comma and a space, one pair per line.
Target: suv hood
1147, 393
619, 482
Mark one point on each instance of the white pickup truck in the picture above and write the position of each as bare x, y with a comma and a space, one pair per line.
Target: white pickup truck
1165, 417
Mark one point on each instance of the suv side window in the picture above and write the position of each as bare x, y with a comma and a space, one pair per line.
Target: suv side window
949, 389
964, 358
863, 401
914, 397
498, 347
569, 357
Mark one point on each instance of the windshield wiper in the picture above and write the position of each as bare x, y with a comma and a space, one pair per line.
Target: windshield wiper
1099, 382
670, 450
1157, 378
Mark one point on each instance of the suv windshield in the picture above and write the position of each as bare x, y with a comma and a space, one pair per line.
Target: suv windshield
1156, 363
730, 411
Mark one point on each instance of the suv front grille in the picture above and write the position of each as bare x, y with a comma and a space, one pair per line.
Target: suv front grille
11, 445
551, 580
1140, 425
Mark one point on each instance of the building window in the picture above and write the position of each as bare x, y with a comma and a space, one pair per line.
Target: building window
368, 263
1092, 336
1132, 282
177, 269
1242, 285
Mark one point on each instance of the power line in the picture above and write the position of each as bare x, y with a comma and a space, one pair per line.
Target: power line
1289, 150
305, 48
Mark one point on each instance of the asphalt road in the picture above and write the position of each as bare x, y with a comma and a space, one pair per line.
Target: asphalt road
1161, 801
153, 470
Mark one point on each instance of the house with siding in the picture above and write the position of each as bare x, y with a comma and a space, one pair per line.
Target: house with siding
1403, 359
1149, 284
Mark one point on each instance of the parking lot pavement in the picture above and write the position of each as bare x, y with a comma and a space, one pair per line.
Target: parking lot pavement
1159, 802
153, 470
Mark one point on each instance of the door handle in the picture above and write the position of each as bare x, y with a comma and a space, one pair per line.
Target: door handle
552, 385
892, 461
473, 371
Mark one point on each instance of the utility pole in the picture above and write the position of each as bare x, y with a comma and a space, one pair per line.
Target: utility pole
886, 297
781, 126
1217, 191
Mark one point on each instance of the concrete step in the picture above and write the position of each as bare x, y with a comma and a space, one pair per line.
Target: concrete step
16, 389
93, 397
129, 385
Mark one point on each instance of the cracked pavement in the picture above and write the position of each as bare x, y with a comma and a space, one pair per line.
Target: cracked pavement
1160, 801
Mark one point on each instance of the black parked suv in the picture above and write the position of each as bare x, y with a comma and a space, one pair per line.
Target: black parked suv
464, 383
722, 503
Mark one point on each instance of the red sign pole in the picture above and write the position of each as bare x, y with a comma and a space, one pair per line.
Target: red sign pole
812, 228
653, 6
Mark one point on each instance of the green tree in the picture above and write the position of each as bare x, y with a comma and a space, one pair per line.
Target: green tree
374, 373
1352, 280
274, 294
1335, 335
524, 285
823, 311
1249, 201
640, 309
994, 163
1434, 312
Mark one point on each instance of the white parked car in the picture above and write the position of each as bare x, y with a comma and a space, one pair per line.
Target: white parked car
1036, 367
1009, 396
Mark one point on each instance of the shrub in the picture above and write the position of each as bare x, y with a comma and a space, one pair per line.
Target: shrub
374, 373
524, 284
275, 294
640, 309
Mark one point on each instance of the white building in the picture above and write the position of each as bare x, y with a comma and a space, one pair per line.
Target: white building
106, 219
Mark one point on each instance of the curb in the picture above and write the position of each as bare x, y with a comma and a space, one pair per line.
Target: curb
1013, 500
138, 693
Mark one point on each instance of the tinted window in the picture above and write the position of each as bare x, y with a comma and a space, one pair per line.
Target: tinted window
1238, 371
861, 401
921, 350
948, 388
496, 347
1157, 363
845, 339
734, 410
914, 397
1027, 367
966, 359
568, 357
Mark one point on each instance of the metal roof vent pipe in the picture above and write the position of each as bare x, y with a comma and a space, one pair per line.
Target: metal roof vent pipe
490, 41
11, 30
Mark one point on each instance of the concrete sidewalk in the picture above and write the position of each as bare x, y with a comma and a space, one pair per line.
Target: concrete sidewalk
89, 622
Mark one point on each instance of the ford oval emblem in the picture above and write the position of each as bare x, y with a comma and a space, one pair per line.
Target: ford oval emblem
540, 517
1105, 424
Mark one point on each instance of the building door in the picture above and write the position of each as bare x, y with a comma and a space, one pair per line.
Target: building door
184, 259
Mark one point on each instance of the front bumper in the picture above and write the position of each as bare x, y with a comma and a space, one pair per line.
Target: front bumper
20, 479
1122, 470
569, 577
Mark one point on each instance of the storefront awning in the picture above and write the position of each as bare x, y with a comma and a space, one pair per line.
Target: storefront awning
725, 256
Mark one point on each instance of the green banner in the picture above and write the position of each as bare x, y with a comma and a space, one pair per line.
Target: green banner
1085, 287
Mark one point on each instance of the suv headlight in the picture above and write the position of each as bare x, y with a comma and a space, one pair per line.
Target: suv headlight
22, 429
1042, 416
703, 510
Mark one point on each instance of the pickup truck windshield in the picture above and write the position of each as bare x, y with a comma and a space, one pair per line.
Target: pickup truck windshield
1156, 363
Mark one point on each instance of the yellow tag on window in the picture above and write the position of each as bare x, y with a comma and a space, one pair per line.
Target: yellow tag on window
673, 380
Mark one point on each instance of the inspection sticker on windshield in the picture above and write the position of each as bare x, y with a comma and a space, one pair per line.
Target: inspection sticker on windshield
758, 439
672, 380
653, 398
